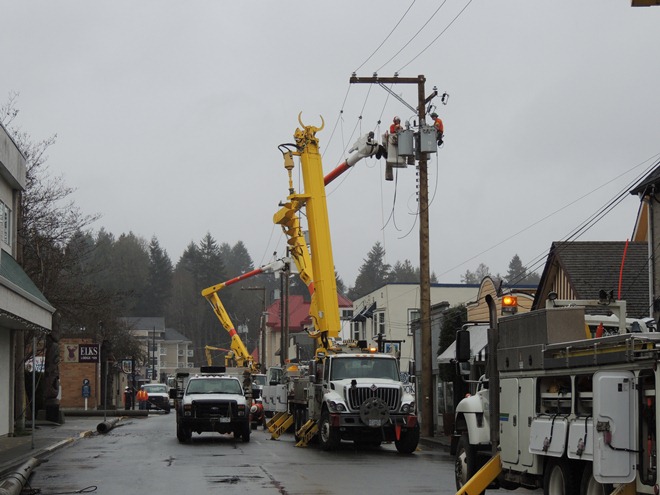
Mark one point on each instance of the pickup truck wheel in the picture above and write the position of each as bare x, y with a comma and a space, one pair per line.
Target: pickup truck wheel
245, 434
328, 436
183, 434
465, 464
589, 485
559, 478
407, 443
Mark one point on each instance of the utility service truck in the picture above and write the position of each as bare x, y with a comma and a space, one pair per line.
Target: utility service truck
351, 392
560, 408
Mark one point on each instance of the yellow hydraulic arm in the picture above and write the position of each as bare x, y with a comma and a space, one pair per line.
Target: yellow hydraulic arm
241, 354
316, 268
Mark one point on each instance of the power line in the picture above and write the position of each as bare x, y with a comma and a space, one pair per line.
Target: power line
437, 37
387, 37
414, 36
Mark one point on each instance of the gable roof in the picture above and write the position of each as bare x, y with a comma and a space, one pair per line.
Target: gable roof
144, 322
651, 179
590, 266
298, 314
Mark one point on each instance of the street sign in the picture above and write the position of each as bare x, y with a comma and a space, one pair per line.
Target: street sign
88, 353
127, 366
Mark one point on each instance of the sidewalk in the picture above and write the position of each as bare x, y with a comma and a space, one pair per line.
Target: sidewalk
49, 436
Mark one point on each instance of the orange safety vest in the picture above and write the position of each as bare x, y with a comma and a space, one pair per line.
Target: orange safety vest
439, 126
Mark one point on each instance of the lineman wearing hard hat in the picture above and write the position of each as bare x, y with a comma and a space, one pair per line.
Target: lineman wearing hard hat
439, 127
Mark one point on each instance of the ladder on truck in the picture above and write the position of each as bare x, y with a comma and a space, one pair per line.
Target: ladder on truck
278, 424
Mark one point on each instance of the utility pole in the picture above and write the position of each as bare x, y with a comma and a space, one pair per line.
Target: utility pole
262, 326
427, 394
153, 355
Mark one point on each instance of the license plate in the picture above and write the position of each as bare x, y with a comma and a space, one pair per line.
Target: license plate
224, 420
374, 422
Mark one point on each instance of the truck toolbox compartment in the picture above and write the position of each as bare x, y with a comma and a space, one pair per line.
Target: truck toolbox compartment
545, 326
548, 436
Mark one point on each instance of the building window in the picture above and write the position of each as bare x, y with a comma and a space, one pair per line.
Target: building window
413, 314
346, 314
379, 320
5, 218
356, 330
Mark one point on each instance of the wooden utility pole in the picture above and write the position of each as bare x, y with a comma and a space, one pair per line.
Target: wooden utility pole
427, 393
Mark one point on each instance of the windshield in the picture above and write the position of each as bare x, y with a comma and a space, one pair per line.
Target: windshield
364, 367
260, 379
214, 386
156, 389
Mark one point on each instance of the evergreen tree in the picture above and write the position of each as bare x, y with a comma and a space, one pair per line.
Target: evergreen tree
373, 273
130, 271
404, 272
159, 282
518, 275
476, 277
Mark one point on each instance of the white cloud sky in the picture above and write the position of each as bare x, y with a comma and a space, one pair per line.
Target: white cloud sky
168, 116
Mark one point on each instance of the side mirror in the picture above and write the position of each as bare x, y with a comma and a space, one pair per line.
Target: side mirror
463, 346
312, 372
411, 367
172, 393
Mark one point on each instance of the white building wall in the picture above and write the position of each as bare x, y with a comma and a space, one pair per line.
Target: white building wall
396, 302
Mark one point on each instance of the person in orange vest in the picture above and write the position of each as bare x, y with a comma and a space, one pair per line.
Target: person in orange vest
142, 397
396, 126
439, 127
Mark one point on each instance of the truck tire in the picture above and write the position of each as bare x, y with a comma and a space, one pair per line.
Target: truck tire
407, 443
245, 434
559, 478
183, 433
328, 435
589, 485
465, 464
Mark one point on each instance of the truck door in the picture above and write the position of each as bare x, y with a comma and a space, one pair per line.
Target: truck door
516, 412
615, 420
509, 420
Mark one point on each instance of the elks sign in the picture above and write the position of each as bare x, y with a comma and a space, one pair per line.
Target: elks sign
88, 353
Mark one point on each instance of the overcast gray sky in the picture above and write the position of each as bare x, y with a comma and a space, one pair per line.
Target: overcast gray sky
168, 116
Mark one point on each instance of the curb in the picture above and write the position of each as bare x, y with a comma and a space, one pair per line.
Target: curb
52, 448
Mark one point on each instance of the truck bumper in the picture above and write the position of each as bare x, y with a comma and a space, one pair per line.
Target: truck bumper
206, 425
351, 426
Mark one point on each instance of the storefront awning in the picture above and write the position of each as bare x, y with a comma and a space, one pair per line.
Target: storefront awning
367, 312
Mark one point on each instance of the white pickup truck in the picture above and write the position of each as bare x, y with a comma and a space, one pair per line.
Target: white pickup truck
212, 403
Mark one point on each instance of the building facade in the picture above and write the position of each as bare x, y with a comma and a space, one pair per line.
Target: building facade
166, 349
23, 308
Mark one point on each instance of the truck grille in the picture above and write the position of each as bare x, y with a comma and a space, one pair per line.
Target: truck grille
214, 409
357, 395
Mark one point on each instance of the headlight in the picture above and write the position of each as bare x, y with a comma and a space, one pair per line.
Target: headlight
336, 406
408, 408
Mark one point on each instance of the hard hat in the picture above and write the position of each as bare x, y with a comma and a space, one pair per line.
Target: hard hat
434, 115
125, 388
397, 119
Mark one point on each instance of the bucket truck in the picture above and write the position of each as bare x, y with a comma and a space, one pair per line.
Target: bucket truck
351, 391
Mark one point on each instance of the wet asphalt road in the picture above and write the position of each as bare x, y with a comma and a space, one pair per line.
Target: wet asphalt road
144, 456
